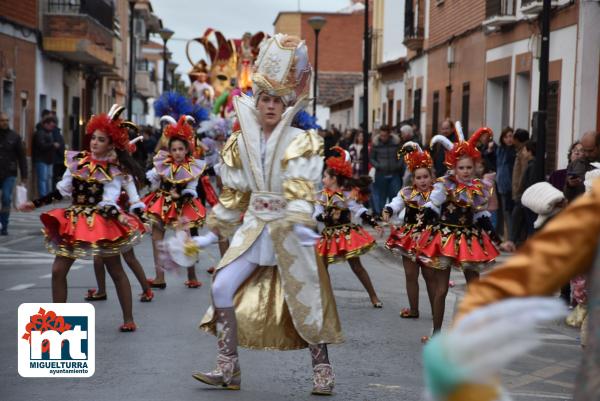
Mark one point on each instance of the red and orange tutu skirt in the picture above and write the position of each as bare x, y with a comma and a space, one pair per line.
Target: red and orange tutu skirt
403, 239
163, 209
443, 246
342, 242
83, 232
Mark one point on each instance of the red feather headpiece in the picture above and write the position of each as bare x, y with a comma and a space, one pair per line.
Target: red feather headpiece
461, 149
115, 127
414, 157
340, 164
181, 129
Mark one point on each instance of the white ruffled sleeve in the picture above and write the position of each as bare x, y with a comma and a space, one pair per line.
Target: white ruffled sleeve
190, 188
111, 192
437, 198
356, 208
154, 179
132, 193
65, 185
397, 204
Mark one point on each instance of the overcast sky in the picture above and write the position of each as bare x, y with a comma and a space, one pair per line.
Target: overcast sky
190, 18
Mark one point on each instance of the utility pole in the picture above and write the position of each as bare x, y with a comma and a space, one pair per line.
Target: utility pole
541, 116
365, 102
132, 61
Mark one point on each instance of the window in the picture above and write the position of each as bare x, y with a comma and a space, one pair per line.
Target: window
436, 113
448, 102
7, 99
383, 114
398, 111
464, 117
43, 104
417, 108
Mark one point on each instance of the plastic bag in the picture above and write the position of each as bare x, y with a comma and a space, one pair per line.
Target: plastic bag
577, 316
21, 195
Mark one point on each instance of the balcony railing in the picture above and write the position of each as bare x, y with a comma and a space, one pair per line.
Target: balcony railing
534, 7
413, 32
100, 10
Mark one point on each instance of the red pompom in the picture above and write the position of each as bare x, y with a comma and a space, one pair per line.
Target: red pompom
118, 134
416, 159
339, 163
182, 130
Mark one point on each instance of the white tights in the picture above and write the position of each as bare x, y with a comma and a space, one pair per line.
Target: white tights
229, 279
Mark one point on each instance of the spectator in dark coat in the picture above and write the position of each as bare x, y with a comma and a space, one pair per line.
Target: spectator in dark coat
518, 232
488, 147
58, 168
12, 156
43, 149
438, 152
523, 218
590, 141
529, 178
388, 169
558, 178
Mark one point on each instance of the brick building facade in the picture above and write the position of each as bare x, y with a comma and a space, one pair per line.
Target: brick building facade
478, 62
18, 43
340, 53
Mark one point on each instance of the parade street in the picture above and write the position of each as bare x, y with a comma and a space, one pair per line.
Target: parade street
380, 360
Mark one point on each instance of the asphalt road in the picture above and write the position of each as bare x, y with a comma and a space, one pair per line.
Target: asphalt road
380, 360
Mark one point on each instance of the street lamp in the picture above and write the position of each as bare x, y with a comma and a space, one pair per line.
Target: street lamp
165, 34
131, 61
317, 23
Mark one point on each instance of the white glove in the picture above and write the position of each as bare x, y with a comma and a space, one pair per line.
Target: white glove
137, 205
307, 236
205, 240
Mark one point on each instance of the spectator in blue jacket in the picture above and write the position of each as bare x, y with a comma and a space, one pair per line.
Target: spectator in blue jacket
505, 161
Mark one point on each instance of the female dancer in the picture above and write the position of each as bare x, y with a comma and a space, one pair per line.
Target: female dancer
94, 224
341, 240
459, 232
129, 199
173, 201
411, 199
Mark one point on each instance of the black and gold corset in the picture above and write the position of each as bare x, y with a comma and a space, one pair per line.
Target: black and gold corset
86, 193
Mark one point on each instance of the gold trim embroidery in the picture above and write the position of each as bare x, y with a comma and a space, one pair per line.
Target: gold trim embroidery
232, 198
231, 151
298, 188
306, 144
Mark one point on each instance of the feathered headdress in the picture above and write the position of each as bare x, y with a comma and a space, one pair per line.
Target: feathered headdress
115, 127
182, 129
305, 121
340, 164
176, 105
456, 151
414, 157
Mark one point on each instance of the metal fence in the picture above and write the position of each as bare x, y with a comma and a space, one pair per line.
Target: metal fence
100, 10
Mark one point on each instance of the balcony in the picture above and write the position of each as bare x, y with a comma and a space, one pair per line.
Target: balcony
79, 31
413, 29
499, 13
532, 8
145, 79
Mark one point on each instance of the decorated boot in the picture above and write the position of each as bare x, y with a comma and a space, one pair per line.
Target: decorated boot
323, 377
227, 373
